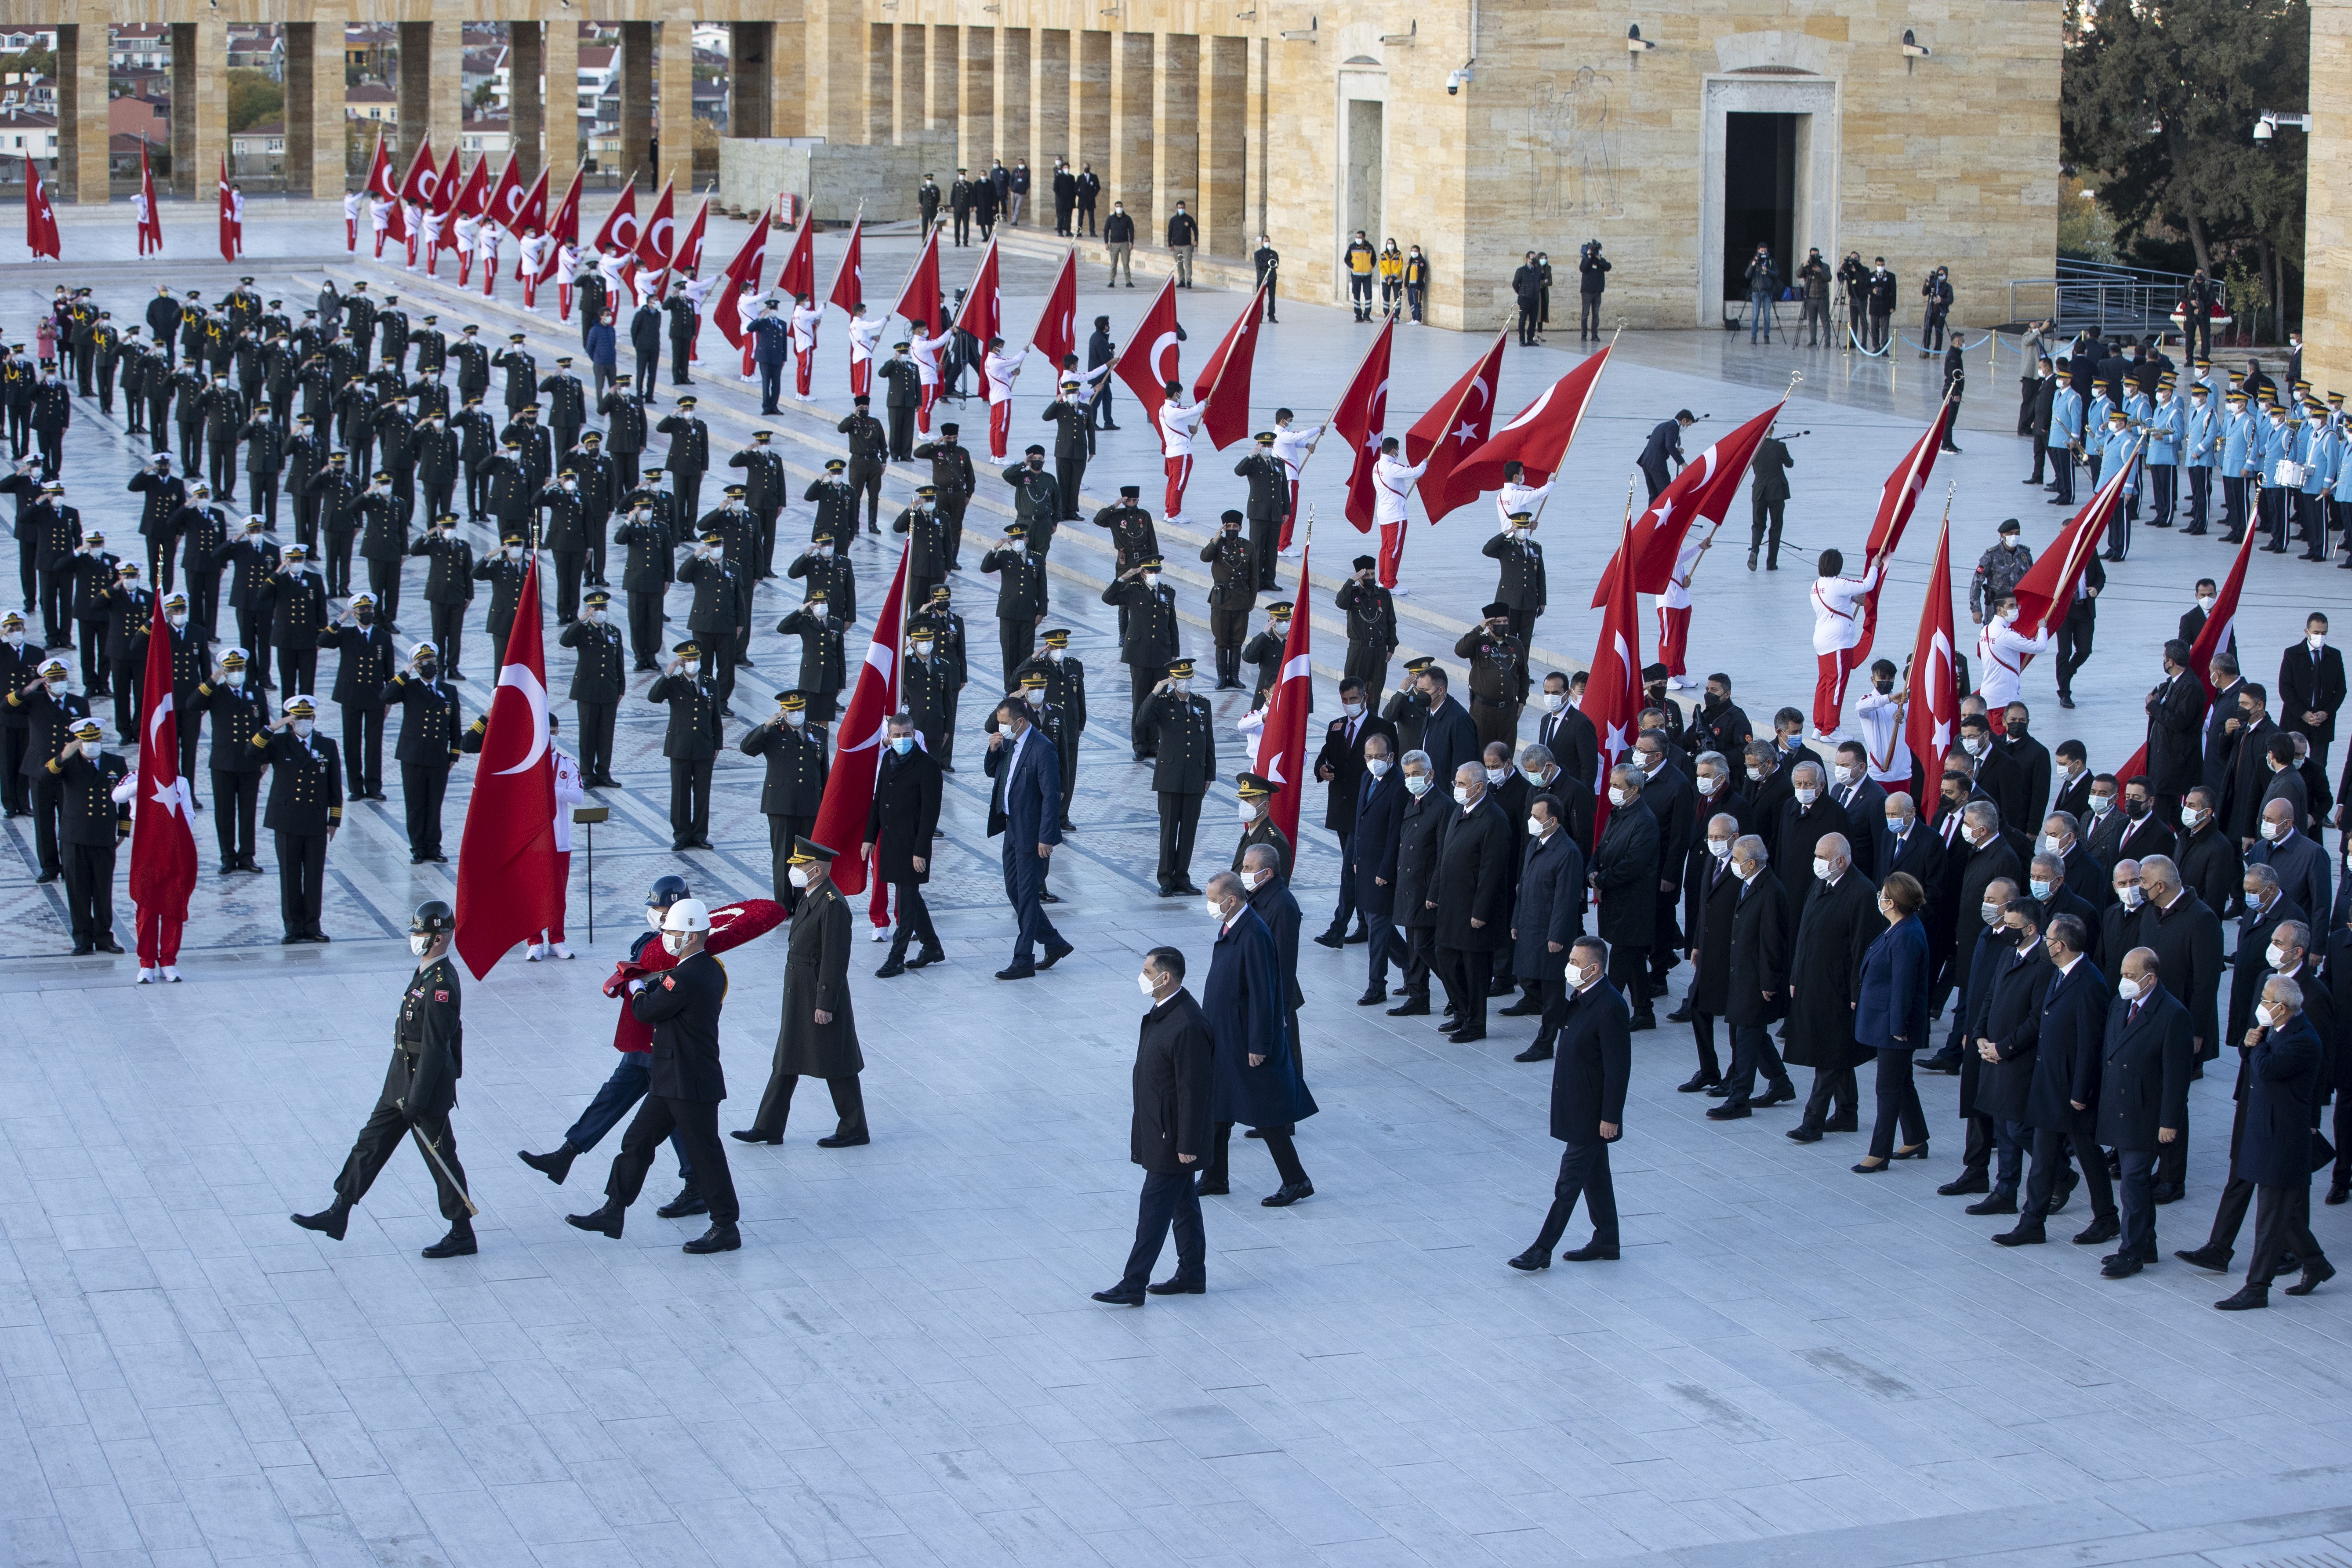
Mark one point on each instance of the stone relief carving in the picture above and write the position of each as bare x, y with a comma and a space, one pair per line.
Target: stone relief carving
1571, 140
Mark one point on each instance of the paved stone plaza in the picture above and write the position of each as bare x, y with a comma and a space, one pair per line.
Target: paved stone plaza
902, 1365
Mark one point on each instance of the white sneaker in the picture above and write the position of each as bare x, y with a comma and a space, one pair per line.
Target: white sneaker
557, 950
531, 953
1290, 554
171, 971
146, 977
881, 934
1679, 683
1401, 591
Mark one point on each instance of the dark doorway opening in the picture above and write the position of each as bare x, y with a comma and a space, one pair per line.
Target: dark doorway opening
1760, 194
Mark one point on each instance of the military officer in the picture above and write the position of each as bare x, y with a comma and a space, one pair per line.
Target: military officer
927, 686
1258, 825
598, 686
1408, 705
420, 1090
1073, 442
1232, 595
927, 547
239, 712
1499, 674
1183, 745
306, 806
292, 603
1269, 503
822, 630
763, 496
1020, 596
869, 455
1148, 639
722, 601
1132, 536
696, 732
429, 732
836, 501
365, 662
795, 751
505, 572
1265, 652
1372, 627
819, 1035
645, 577
448, 585
88, 830
940, 612
1065, 692
1521, 578
690, 455
953, 481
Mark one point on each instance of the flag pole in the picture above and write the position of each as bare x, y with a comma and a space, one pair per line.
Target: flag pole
1344, 387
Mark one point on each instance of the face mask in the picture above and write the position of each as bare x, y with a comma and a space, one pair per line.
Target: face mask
2040, 887
177, 619
1899, 825
1989, 913
1151, 579
1143, 984
793, 721
419, 943
2024, 939
302, 727
691, 667
2316, 641
1882, 686
1179, 688
2271, 829
1351, 710
1807, 796
1461, 795
674, 942
1846, 774
1496, 775
2269, 1016
902, 744
2276, 957
1418, 783
1216, 911
1248, 811
2135, 808
1553, 701
1035, 696
923, 649
2126, 989
2102, 804
1617, 797
1973, 746
2205, 601
2190, 816
1821, 869
16, 639
654, 913
2131, 895
2052, 844
1756, 776
1719, 848
798, 876
1253, 880
1056, 654
1713, 701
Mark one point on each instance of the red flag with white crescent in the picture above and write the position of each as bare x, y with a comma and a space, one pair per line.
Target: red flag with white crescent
505, 196
619, 229
849, 278
983, 307
1537, 435
859, 739
40, 216
507, 883
688, 256
151, 216
232, 233
2220, 624
1612, 692
1056, 337
742, 272
1932, 701
1281, 744
1456, 426
1703, 490
656, 237
566, 227
162, 841
476, 186
424, 180
1896, 502
799, 276
531, 212
452, 181
1149, 360
919, 299
2046, 592
1361, 414
1224, 381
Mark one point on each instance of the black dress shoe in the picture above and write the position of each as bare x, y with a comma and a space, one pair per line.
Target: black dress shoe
2025, 1234
1018, 972
891, 968
2315, 1273
688, 1202
1967, 1181
2249, 1298
1729, 1110
844, 1140
328, 1222
2100, 1230
2170, 1193
1535, 1053
1049, 898
927, 957
722, 1236
1867, 1169
2119, 1266
1591, 1252
1417, 1007
1356, 938
2338, 1194
1697, 1081
1532, 1259
2216, 1258
1054, 956
1373, 998
83, 949
753, 1135
1178, 1286
1335, 937
1291, 1194
1525, 1008
459, 1243
554, 1165
1209, 1189
1801, 1133
1121, 1296
1645, 1021
1778, 1094
1994, 1203
1681, 1014
1941, 1063
1916, 1152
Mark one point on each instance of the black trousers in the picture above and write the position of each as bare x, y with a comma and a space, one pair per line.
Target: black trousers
1899, 1106
595, 721
2074, 635
695, 1123
301, 880
2136, 1204
1016, 638
782, 831
1466, 974
776, 1103
159, 565
15, 789
1527, 323
2053, 1148
645, 629
1070, 472
679, 348
1140, 680
234, 798
1583, 1172
89, 891
1765, 527
298, 668
1629, 971
1277, 1142
129, 682
387, 1130
2201, 495
48, 804
2281, 1226
1382, 943
1344, 909
1710, 1067
865, 476
2233, 506
914, 920
1588, 316
902, 432
422, 785
362, 751
1752, 1054
689, 803
1420, 958
1834, 1099
261, 496
95, 665
448, 631
1170, 1200
1180, 820
571, 565
203, 600
57, 607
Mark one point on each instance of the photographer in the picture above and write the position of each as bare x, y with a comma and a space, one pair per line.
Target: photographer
1763, 287
1814, 276
1591, 280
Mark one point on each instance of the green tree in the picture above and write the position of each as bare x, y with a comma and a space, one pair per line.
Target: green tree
253, 100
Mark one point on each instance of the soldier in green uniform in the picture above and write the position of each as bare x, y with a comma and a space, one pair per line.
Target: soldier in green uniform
1257, 818
1408, 705
1499, 674
794, 748
1148, 636
952, 648
1020, 596
697, 731
420, 1090
1265, 650
1372, 628
822, 630
1232, 595
927, 688
1131, 533
818, 1038
927, 543
1065, 693
1184, 752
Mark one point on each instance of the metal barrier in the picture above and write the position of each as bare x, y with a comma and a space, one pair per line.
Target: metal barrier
2101, 297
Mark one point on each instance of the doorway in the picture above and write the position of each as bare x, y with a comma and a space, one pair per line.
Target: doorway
1760, 160
1365, 136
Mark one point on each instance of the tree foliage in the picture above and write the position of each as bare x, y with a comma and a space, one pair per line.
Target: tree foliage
253, 100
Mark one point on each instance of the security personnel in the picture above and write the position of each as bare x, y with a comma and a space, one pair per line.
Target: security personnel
1133, 537
292, 603
927, 688
1036, 501
905, 394
366, 662
429, 734
722, 605
953, 483
1073, 443
696, 732
795, 751
1257, 820
821, 627
306, 806
835, 502
567, 404
645, 577
1372, 628
1232, 595
1499, 674
86, 834
420, 1090
505, 572
1269, 503
1020, 596
940, 612
1065, 693
238, 712
869, 455
1183, 745
51, 713
825, 567
1519, 582
598, 686
448, 586
763, 495
1148, 636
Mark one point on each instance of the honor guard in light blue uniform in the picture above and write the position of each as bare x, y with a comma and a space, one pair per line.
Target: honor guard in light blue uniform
2238, 445
2323, 454
2065, 441
2167, 424
2200, 446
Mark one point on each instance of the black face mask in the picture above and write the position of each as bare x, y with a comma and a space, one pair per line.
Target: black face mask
364, 617
428, 669
1882, 687
2014, 732
1713, 702
2025, 940
2135, 808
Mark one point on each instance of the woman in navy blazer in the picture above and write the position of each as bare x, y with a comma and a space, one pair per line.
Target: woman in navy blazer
1890, 1015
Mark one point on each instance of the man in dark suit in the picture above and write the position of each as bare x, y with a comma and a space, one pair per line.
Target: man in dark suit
2218, 738
1026, 811
2297, 858
2265, 907
2145, 1060
2185, 936
1625, 872
685, 1084
1547, 917
1761, 936
1664, 447
2062, 1104
1371, 856
2311, 687
1711, 892
2174, 709
1421, 837
1168, 1134
2005, 1035
1341, 765
1588, 1108
1990, 859
1838, 923
2285, 1079
1448, 733
1471, 894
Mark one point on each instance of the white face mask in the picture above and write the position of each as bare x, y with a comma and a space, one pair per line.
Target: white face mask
1807, 796
2102, 804
2131, 895
674, 942
1378, 767
1248, 810
514, 552
419, 943
1035, 696
2270, 1016
1847, 774
1973, 746
653, 914
2271, 829
1617, 796
1535, 830
2316, 641
1143, 984
1351, 710
2205, 601
2127, 989
691, 667
16, 639
1989, 913
1253, 880
302, 727
2040, 887
2053, 845
1179, 687
1553, 701
1216, 911
1756, 776
798, 876
1417, 782
2190, 816
1056, 654
923, 649
1151, 579
1719, 848
1497, 775
1821, 869
2276, 956
1461, 795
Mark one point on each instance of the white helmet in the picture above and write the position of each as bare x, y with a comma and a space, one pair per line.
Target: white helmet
688, 915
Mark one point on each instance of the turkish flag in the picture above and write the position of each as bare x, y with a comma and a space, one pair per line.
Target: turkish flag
1149, 360
656, 237
1056, 336
507, 884
1224, 381
532, 213
506, 197
1613, 691
1701, 490
1361, 415
857, 753
798, 280
162, 845
741, 272
476, 186
380, 187
983, 307
619, 230
452, 181
1282, 742
232, 233
1896, 502
1537, 435
919, 299
40, 216
565, 229
849, 278
688, 256
1931, 710
424, 180
1456, 426
150, 220
2046, 592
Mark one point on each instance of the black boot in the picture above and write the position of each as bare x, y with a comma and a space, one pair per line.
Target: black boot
688, 1202
329, 1221
554, 1165
459, 1243
606, 1219
722, 1236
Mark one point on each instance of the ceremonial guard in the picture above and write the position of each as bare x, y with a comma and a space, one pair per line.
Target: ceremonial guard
818, 1038
365, 663
691, 743
1371, 629
1232, 595
1498, 674
1269, 503
429, 731
239, 714
448, 586
1020, 596
1149, 639
821, 630
796, 753
306, 806
1258, 825
597, 687
1070, 414
89, 827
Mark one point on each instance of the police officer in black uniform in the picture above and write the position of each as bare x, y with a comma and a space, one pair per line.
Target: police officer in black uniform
420, 1090
306, 806
794, 747
696, 732
1184, 748
598, 686
1232, 595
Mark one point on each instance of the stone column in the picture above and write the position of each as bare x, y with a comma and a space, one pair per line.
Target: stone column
1176, 129
2328, 278
1049, 103
1014, 118
1221, 207
199, 106
526, 110
975, 125
1090, 106
911, 90
882, 84
676, 56
750, 99
316, 150
82, 119
413, 100
945, 110
446, 86
560, 104
1131, 162
637, 101
836, 76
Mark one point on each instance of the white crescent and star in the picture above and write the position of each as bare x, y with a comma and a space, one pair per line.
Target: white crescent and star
534, 696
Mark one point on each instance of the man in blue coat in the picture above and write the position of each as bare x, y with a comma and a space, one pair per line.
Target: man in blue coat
2144, 1064
1257, 1082
2283, 1080
771, 345
2062, 1101
1549, 917
1380, 800
1587, 1107
1027, 810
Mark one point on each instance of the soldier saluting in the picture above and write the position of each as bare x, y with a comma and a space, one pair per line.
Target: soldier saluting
420, 1090
1184, 752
